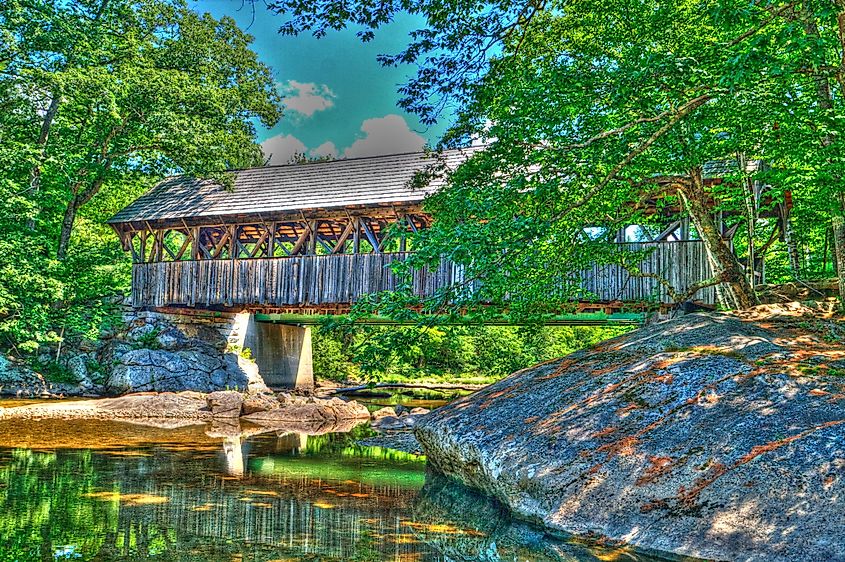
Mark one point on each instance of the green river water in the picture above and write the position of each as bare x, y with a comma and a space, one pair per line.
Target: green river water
94, 490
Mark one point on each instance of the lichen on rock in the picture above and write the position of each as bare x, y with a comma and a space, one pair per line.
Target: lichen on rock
714, 435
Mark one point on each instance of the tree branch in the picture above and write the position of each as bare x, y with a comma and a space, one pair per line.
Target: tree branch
679, 114
754, 30
673, 293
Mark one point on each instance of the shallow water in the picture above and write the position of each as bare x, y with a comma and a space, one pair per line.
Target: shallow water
93, 490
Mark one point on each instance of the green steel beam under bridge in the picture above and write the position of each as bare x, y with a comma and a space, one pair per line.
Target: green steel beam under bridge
578, 319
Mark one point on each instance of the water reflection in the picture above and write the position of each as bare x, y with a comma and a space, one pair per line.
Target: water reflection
111, 491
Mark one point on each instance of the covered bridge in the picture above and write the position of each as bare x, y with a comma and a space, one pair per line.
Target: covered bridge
316, 237
282, 244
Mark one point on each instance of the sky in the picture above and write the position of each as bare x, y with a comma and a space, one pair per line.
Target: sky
339, 101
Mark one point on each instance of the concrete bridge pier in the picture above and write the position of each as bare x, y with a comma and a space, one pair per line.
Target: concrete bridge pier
282, 353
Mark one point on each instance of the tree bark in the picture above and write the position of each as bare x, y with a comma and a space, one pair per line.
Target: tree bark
791, 247
67, 227
839, 250
79, 198
727, 266
44, 135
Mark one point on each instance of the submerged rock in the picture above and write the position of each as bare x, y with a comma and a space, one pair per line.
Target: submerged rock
714, 435
398, 440
481, 529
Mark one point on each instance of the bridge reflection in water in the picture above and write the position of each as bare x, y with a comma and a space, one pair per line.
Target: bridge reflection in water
148, 494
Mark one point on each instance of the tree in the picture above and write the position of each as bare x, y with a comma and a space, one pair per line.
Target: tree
591, 107
99, 99
131, 85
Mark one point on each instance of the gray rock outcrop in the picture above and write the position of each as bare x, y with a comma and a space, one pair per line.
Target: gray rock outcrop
17, 379
155, 355
715, 436
146, 353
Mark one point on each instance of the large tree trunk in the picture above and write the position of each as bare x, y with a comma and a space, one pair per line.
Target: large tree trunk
35, 174
79, 198
726, 266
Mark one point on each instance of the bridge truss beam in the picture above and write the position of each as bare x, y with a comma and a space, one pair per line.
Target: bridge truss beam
382, 230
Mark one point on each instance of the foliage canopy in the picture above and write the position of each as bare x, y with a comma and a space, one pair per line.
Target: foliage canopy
590, 108
99, 99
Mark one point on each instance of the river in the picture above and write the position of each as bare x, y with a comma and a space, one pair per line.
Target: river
96, 490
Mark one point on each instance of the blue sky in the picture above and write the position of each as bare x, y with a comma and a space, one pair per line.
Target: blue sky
339, 100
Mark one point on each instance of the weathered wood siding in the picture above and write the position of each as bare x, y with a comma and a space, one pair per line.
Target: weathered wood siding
290, 281
343, 279
680, 263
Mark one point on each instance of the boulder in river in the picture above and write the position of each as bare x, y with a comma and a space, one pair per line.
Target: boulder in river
390, 419
714, 435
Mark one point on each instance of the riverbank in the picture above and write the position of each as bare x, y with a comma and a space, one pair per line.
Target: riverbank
716, 436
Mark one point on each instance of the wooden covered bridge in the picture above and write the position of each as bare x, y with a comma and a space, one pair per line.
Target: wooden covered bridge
316, 237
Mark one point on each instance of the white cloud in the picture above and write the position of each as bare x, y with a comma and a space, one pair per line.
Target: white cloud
306, 98
328, 148
385, 135
281, 148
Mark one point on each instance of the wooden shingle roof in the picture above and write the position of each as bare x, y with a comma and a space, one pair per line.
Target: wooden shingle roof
337, 184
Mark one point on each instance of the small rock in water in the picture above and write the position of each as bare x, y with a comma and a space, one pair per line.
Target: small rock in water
383, 413
389, 423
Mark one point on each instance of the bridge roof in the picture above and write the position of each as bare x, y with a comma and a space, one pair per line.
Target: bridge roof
272, 190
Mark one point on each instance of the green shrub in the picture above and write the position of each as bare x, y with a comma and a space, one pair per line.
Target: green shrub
54, 372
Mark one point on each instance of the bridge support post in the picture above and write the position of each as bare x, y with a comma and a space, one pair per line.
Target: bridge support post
282, 353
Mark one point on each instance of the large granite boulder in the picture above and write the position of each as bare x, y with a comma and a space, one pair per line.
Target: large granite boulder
198, 367
716, 436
